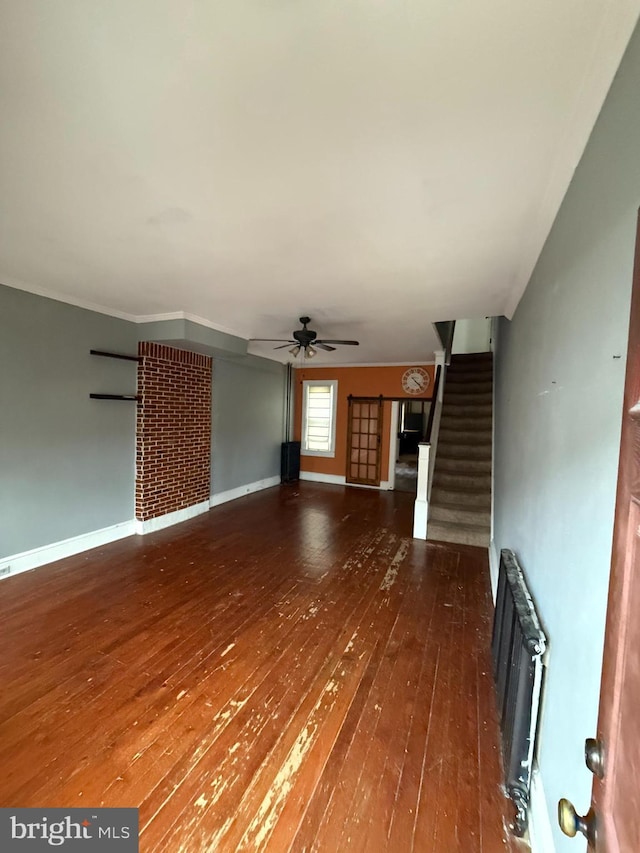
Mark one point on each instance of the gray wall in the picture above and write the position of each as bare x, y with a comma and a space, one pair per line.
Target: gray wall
248, 405
66, 462
559, 382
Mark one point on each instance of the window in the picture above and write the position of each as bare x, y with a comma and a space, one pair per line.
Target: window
319, 417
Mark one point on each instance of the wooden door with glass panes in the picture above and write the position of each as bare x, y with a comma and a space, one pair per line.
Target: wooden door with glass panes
364, 440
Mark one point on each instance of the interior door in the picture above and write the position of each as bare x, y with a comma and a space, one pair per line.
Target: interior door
364, 440
616, 796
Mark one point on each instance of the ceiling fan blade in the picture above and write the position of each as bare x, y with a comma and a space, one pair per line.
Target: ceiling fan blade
288, 344
322, 346
343, 343
272, 340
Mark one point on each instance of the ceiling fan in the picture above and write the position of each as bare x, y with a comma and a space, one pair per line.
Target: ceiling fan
306, 339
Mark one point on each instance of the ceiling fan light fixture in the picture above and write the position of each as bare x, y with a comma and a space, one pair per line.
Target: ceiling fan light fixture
303, 339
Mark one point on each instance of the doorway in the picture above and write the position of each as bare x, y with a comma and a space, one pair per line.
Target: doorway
411, 429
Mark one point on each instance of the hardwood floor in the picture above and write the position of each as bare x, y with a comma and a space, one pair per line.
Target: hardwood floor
290, 671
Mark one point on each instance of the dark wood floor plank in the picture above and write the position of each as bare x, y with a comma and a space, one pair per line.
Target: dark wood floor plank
385, 615
374, 798
155, 680
400, 831
289, 672
407, 722
348, 787
435, 768
281, 773
128, 625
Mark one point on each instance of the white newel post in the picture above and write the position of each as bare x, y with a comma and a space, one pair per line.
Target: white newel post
427, 458
421, 507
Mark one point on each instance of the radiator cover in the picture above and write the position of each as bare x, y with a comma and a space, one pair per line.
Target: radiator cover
518, 645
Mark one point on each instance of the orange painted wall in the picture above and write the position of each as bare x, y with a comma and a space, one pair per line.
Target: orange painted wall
359, 382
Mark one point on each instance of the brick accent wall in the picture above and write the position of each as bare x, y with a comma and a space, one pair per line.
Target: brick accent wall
173, 436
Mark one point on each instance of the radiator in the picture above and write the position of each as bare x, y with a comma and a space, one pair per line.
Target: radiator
517, 646
289, 461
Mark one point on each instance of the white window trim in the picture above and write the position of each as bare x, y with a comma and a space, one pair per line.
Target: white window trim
308, 383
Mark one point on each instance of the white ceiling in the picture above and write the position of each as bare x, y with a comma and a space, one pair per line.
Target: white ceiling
376, 164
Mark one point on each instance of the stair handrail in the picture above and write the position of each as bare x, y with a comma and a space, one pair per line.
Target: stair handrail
432, 407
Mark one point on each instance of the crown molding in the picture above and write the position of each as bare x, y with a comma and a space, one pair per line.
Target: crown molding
327, 366
67, 299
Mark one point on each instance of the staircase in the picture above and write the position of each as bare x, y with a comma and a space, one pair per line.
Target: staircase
460, 504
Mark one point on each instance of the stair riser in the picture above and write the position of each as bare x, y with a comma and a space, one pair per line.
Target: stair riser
457, 515
462, 436
454, 424
472, 482
460, 376
464, 451
464, 388
457, 535
479, 500
462, 400
471, 357
446, 464
454, 412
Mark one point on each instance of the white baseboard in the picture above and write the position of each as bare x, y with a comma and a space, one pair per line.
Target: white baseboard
27, 560
162, 521
540, 831
241, 491
338, 480
335, 479
494, 568
385, 486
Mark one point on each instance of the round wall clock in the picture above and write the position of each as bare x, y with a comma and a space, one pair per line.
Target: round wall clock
415, 380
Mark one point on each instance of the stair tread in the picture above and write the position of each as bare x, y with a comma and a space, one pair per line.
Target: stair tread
457, 357
447, 505
445, 452
463, 451
455, 514
479, 434
459, 491
462, 481
479, 528
458, 374
455, 405
463, 381
446, 444
466, 399
458, 417
461, 393
471, 376
455, 464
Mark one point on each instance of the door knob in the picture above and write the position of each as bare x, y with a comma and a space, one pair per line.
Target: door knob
594, 756
571, 823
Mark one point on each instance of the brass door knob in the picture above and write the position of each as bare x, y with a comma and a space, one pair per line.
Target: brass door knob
594, 756
571, 823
